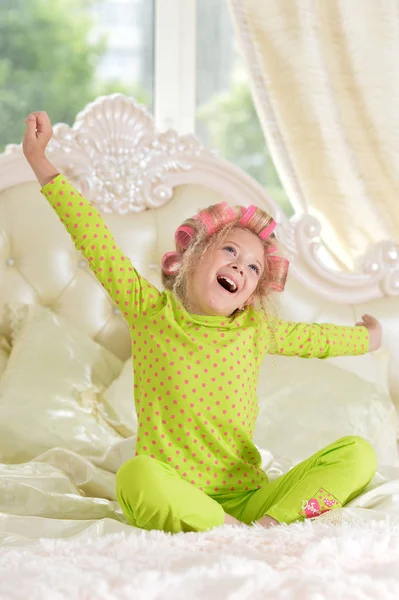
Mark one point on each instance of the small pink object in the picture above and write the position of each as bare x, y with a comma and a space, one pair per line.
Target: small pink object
328, 502
312, 508
206, 218
171, 262
183, 236
278, 268
247, 215
267, 231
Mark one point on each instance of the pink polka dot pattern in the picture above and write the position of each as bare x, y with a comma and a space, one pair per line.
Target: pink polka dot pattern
316, 340
195, 377
90, 234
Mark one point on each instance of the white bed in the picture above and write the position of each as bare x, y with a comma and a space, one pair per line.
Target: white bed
66, 411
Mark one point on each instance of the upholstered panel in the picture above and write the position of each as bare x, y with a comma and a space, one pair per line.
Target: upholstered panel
39, 264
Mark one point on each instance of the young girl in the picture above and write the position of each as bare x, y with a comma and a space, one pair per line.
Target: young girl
197, 350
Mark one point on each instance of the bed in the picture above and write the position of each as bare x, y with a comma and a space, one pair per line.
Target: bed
66, 407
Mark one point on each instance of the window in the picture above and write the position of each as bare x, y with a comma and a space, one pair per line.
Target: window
58, 56
226, 118
127, 63
178, 57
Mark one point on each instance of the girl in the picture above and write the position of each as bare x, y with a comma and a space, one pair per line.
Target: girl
197, 350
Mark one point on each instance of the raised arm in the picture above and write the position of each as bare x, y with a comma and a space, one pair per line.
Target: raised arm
133, 294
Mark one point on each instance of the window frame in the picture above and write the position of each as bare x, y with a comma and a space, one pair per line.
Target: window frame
175, 65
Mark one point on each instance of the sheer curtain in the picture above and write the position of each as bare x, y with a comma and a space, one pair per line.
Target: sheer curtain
325, 78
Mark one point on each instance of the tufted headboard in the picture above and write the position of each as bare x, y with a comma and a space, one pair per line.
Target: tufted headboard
146, 183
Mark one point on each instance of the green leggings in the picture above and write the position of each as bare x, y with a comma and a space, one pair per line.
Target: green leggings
153, 496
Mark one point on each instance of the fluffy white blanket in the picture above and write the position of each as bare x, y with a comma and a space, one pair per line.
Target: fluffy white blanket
314, 560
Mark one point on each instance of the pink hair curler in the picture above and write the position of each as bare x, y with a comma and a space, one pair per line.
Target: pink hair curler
278, 268
171, 262
225, 215
247, 214
183, 236
268, 230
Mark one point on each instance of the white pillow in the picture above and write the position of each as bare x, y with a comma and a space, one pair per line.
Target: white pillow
373, 367
48, 391
117, 402
307, 404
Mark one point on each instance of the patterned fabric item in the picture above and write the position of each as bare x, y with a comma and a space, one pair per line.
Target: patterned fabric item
153, 496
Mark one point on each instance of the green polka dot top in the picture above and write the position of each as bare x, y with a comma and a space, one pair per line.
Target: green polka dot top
195, 376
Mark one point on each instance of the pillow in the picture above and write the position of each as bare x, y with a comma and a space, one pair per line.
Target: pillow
117, 402
373, 367
18, 313
4, 354
306, 404
48, 391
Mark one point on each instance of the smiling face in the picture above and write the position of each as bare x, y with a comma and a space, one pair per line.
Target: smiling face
227, 276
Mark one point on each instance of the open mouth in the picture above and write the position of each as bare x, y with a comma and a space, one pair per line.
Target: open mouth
228, 284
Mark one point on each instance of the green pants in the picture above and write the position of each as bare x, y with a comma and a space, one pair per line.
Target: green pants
153, 496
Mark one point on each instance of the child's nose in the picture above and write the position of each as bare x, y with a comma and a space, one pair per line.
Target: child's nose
238, 268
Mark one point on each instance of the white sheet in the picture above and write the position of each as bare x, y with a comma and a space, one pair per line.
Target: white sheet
62, 495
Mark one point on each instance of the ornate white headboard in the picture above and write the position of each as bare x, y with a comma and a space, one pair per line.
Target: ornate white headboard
146, 183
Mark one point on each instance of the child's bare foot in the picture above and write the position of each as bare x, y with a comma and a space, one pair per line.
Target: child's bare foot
229, 520
267, 522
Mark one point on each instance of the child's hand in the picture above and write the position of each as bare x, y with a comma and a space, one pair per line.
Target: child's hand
374, 329
37, 135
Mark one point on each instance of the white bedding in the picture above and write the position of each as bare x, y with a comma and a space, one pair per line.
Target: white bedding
311, 561
351, 553
69, 427
61, 494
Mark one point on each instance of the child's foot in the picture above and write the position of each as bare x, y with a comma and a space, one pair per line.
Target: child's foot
267, 522
229, 520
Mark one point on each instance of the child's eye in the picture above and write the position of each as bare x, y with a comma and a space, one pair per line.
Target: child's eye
230, 249
254, 268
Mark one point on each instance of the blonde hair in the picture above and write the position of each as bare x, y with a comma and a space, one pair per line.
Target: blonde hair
200, 234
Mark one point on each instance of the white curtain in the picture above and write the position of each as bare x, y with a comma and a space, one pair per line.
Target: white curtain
325, 78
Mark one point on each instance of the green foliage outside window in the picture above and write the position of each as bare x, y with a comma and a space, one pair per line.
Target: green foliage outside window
48, 62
